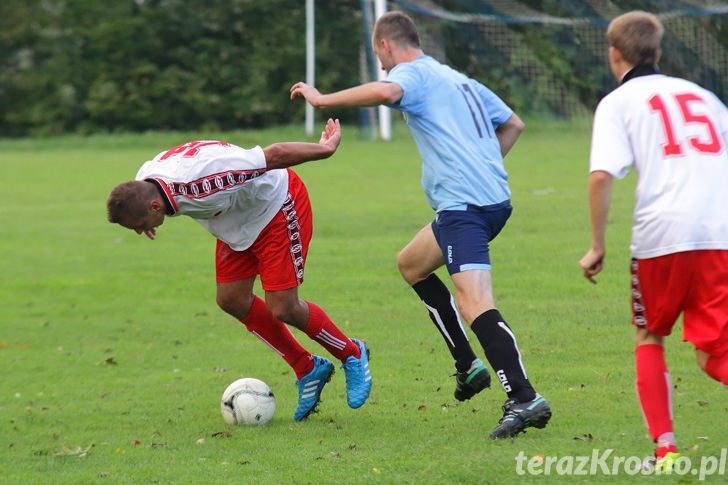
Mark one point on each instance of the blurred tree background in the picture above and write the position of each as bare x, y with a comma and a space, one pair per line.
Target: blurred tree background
133, 65
85, 66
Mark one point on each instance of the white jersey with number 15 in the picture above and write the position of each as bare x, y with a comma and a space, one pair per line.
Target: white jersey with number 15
675, 135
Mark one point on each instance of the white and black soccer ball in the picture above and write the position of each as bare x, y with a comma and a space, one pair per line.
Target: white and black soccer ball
248, 401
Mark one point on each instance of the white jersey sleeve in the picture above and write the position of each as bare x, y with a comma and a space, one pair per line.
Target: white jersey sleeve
226, 188
611, 151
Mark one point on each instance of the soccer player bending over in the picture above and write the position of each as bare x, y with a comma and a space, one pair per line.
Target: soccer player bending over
260, 213
675, 136
463, 131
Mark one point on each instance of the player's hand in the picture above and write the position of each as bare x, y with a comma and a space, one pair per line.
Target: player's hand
331, 136
592, 263
303, 90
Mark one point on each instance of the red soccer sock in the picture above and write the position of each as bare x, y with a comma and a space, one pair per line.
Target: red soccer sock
654, 389
275, 334
717, 368
321, 329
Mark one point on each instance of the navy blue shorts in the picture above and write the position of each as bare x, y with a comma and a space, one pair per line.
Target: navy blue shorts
463, 236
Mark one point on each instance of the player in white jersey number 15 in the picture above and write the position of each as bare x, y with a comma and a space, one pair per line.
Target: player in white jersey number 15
674, 134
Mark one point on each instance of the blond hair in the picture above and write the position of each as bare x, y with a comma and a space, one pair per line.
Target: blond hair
637, 36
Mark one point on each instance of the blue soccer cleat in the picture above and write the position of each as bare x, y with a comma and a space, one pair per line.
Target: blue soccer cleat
358, 376
311, 385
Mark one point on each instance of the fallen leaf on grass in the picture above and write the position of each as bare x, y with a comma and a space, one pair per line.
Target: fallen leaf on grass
422, 407
78, 451
584, 437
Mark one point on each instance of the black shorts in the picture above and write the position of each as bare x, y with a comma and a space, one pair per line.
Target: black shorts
463, 235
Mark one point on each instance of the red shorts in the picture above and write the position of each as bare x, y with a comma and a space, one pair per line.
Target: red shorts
278, 255
694, 283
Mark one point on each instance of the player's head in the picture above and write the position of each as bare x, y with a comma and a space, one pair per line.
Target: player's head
637, 36
393, 30
397, 27
136, 205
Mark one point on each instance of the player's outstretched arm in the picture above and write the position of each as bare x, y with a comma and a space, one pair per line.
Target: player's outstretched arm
369, 94
287, 154
600, 196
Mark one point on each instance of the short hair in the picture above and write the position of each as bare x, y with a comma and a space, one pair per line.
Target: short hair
397, 27
129, 200
637, 36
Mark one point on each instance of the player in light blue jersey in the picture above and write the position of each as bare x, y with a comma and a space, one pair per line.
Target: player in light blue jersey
463, 131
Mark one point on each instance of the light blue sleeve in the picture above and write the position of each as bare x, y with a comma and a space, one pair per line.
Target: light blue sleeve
498, 111
410, 79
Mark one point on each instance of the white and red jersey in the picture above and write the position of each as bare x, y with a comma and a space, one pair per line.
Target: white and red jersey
225, 188
675, 135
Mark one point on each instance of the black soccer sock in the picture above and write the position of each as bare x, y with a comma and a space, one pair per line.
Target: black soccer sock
439, 302
501, 350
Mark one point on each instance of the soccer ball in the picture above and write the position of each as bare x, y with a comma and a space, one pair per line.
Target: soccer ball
248, 401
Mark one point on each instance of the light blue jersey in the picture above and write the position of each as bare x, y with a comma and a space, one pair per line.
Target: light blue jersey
453, 119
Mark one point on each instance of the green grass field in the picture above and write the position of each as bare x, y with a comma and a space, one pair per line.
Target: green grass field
114, 354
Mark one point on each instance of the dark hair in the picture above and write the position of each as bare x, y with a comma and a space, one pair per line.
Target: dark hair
397, 27
129, 200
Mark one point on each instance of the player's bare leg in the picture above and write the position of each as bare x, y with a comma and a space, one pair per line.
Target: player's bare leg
236, 297
474, 293
702, 358
286, 306
420, 257
417, 263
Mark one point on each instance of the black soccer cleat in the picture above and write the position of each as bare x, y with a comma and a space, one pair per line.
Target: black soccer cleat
472, 381
519, 416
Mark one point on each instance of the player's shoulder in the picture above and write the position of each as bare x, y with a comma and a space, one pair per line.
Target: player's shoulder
628, 94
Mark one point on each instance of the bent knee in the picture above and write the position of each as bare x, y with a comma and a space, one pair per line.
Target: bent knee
281, 314
234, 304
408, 269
